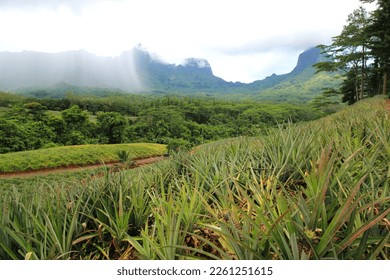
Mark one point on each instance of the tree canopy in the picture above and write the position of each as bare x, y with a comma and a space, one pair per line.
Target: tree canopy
361, 53
177, 121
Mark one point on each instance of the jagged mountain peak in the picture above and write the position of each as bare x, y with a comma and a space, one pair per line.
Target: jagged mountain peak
307, 59
196, 62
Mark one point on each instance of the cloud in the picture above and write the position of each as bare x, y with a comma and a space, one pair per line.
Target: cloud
76, 6
286, 42
20, 4
248, 68
236, 36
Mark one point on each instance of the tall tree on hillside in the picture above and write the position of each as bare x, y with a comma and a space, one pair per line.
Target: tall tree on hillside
348, 53
354, 38
379, 39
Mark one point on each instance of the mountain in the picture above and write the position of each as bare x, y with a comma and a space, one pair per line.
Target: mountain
195, 76
138, 70
304, 63
301, 84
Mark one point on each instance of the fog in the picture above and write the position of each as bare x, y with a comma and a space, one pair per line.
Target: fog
242, 40
79, 68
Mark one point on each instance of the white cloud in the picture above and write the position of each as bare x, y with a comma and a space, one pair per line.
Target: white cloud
242, 39
75, 5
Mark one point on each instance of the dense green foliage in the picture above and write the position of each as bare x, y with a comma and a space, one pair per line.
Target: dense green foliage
75, 155
29, 124
318, 190
361, 52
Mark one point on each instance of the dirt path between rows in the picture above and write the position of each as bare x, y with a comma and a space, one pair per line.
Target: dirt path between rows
32, 173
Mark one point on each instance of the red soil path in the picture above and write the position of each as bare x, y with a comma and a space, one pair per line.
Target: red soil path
137, 163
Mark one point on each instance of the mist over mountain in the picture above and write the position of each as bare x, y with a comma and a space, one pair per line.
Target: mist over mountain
78, 68
137, 70
195, 76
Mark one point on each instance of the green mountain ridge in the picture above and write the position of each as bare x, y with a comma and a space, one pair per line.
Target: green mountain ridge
190, 78
138, 71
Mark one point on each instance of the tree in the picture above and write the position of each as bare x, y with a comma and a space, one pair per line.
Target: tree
348, 89
75, 117
36, 111
38, 135
13, 137
77, 126
111, 126
379, 39
328, 101
158, 125
58, 126
75, 137
348, 52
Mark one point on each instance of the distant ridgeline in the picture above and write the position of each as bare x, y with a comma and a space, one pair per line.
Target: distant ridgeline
79, 72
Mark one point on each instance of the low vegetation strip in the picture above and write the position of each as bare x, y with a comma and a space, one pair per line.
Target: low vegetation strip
81, 155
75, 171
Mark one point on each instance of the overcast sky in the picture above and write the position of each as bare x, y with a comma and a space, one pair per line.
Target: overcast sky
244, 40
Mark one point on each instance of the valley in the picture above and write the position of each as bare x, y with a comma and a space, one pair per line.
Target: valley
179, 122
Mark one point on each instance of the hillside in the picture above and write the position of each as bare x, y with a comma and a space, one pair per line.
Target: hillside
317, 190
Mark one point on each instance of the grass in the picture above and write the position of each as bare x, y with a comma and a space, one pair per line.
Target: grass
318, 190
74, 155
